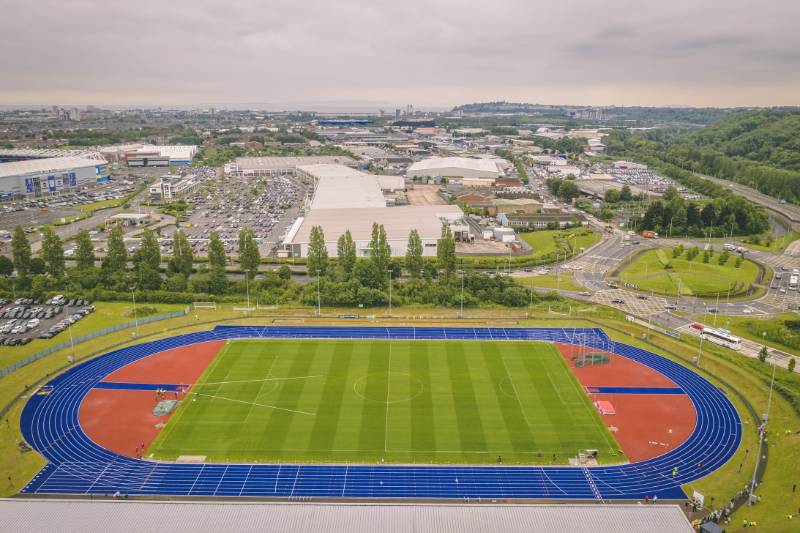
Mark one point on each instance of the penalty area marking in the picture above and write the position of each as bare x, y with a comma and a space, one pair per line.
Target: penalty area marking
213, 397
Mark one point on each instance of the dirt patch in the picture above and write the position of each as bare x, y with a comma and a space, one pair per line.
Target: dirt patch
419, 194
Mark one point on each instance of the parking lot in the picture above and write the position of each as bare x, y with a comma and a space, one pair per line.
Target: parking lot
37, 211
268, 205
26, 319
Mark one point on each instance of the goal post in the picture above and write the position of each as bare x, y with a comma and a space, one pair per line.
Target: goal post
204, 305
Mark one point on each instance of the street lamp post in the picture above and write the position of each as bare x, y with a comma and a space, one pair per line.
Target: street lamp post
390, 291
461, 313
135, 318
319, 306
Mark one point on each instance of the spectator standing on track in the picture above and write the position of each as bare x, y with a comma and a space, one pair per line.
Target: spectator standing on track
646, 499
655, 498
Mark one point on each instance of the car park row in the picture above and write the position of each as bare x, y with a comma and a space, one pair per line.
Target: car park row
25, 319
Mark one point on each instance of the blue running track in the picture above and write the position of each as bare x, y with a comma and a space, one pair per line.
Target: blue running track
79, 466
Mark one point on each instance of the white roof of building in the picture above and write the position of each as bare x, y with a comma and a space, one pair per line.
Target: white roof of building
338, 187
398, 222
177, 152
391, 183
46, 152
52, 164
278, 163
436, 163
86, 516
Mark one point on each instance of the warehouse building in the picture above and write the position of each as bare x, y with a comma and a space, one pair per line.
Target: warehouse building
456, 168
397, 221
149, 155
339, 187
51, 176
272, 166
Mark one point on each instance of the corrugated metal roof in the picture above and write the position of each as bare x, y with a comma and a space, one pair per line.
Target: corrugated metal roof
289, 162
398, 222
86, 516
52, 164
338, 186
434, 163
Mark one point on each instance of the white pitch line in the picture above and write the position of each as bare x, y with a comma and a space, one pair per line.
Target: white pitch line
261, 380
256, 404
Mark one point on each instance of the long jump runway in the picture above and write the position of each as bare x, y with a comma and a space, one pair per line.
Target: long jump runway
77, 465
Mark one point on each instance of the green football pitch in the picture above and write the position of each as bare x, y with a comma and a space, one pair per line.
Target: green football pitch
326, 401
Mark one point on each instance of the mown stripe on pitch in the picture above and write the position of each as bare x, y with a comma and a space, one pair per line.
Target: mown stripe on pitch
470, 428
549, 411
522, 439
274, 434
423, 436
330, 406
372, 435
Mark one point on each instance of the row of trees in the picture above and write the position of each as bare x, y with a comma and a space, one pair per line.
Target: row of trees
348, 281
354, 281
673, 215
119, 271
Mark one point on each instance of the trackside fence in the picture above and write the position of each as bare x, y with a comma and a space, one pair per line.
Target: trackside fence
89, 336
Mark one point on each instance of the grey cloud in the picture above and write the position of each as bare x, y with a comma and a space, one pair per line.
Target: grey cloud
437, 52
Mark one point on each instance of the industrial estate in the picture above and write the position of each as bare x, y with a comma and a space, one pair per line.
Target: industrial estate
490, 316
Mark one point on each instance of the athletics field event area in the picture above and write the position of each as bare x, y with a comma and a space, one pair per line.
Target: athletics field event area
380, 413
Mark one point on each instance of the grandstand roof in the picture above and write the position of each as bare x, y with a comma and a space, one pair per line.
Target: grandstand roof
87, 516
52, 164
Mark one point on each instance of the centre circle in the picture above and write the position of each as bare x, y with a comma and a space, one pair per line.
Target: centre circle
388, 387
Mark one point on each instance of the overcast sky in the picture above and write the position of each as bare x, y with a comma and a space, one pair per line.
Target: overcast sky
435, 53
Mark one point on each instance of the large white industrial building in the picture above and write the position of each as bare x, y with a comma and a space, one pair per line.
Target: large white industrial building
463, 168
270, 166
347, 199
48, 176
397, 221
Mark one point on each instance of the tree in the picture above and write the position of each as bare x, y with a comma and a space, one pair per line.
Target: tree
625, 194
612, 196
21, 252
6, 266
380, 253
116, 260
216, 252
414, 254
149, 253
52, 252
249, 256
317, 260
346, 251
446, 252
568, 190
38, 266
762, 355
84, 251
182, 255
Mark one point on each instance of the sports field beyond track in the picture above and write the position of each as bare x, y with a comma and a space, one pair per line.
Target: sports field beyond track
399, 402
